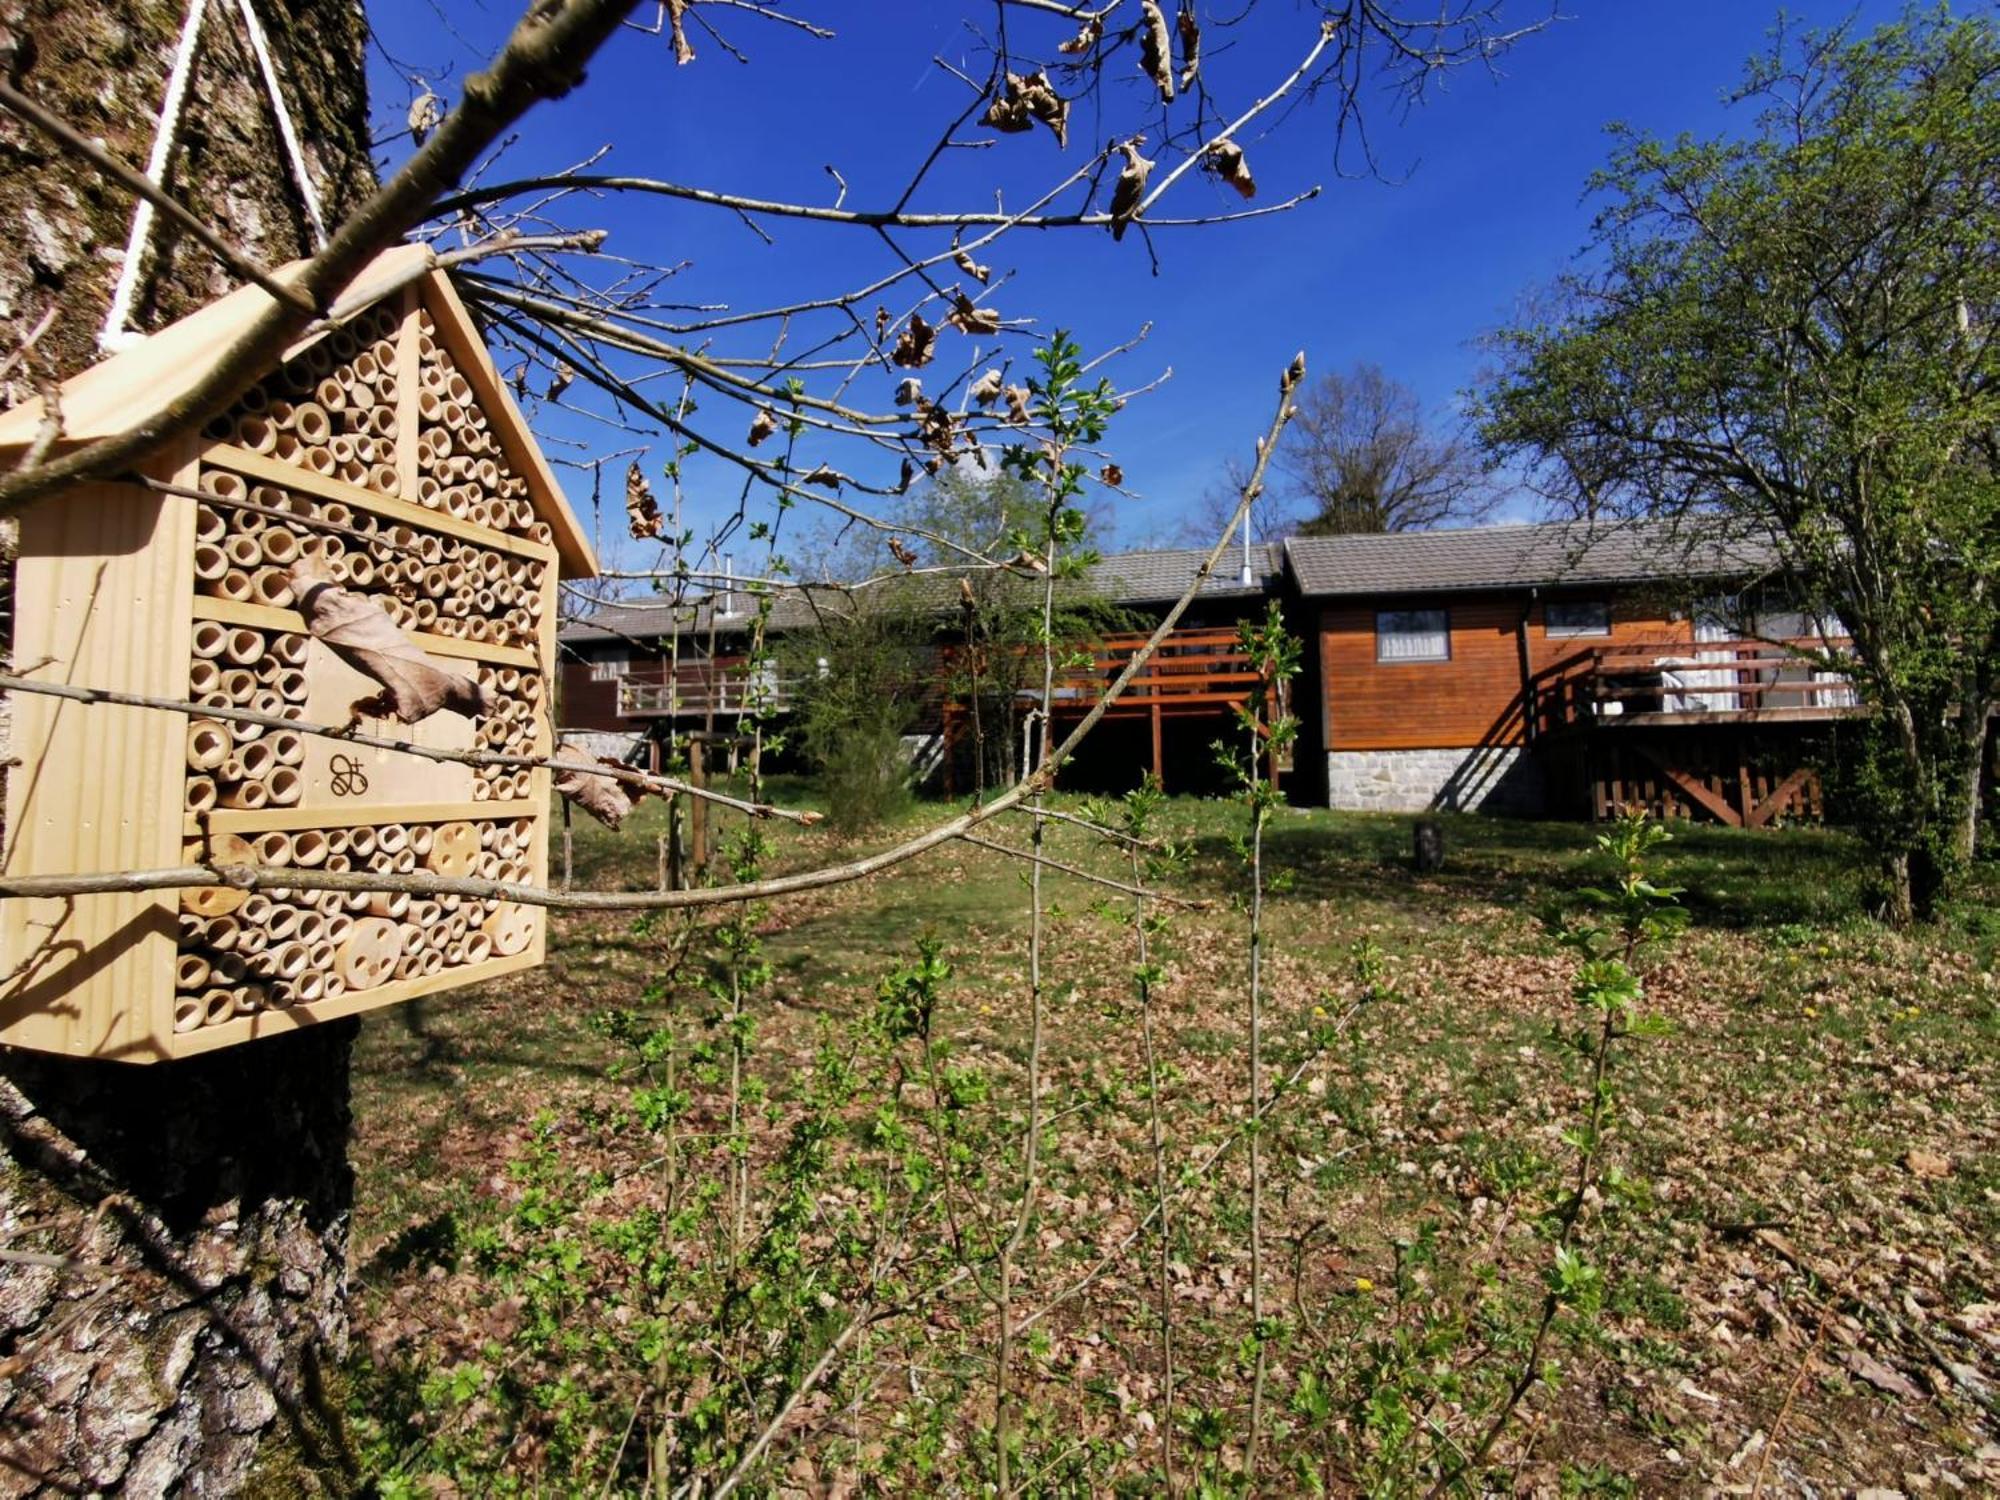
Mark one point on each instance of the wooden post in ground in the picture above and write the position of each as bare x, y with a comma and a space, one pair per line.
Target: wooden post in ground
676, 872
1159, 758
697, 807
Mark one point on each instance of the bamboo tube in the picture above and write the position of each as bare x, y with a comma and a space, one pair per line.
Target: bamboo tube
280, 547
219, 428
209, 524
225, 933
200, 793
280, 924
188, 1013
250, 999
291, 685
207, 744
318, 358
204, 677
362, 369
257, 434
409, 966
287, 448
247, 796
217, 1006
271, 588
383, 477
338, 924
285, 786
310, 986
256, 913
290, 960
353, 472
312, 926
340, 864
457, 503
210, 562
391, 837
391, 904
478, 947
223, 484
272, 848
243, 551
339, 841
382, 422
311, 423
359, 569
341, 446
291, 648
244, 647
309, 848
430, 962
361, 841
343, 344
234, 584
425, 612
330, 395
240, 685
319, 460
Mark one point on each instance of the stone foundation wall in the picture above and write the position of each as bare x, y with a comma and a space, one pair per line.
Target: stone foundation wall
1492, 778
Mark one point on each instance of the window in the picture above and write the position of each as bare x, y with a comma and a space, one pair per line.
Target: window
1412, 635
611, 668
1573, 617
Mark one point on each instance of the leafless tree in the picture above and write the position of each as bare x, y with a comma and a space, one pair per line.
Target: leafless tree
1363, 456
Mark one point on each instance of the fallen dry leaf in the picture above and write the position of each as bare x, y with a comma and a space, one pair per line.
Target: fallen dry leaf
606, 800
1155, 49
641, 509
1924, 1163
916, 344
357, 631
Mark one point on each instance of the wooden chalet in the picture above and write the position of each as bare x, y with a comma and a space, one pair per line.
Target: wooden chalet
1541, 669
632, 673
1555, 669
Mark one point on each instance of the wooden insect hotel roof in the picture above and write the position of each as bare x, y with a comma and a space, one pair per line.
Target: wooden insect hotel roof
369, 540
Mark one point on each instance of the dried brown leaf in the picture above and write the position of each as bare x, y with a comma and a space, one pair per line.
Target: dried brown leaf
1225, 159
762, 426
1025, 100
641, 509
825, 477
1155, 49
1189, 28
968, 317
560, 381
972, 268
357, 631
986, 389
1112, 475
1017, 404
909, 391
916, 344
426, 114
903, 554
604, 799
1084, 40
677, 24
1130, 190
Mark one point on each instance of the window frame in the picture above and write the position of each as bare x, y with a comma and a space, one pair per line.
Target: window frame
611, 668
1572, 632
1444, 629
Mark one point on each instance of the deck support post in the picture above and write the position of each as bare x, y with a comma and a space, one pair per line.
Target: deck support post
1159, 755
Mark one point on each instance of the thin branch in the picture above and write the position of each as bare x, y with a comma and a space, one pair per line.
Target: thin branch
1192, 903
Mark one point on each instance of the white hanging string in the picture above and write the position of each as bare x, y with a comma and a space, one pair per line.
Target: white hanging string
114, 335
286, 133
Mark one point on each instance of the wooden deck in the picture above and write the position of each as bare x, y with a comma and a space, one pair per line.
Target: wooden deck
1715, 730
1705, 682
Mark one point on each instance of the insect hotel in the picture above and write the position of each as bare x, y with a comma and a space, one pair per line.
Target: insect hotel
370, 541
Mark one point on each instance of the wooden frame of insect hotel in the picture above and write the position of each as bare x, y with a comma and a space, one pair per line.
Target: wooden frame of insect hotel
369, 540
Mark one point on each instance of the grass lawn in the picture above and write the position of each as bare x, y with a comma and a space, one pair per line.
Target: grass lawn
1799, 1288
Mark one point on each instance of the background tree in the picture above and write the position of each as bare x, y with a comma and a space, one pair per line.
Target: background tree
1793, 336
1363, 456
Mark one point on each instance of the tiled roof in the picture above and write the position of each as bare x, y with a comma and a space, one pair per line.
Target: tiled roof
1125, 578
1516, 557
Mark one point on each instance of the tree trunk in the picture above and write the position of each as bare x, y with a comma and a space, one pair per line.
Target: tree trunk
177, 1233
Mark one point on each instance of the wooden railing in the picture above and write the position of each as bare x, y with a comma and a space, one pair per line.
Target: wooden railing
1700, 679
723, 685
1200, 671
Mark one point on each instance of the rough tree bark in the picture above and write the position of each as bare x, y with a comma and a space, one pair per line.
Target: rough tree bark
176, 1236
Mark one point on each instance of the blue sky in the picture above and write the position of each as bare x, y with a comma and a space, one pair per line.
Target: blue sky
1484, 197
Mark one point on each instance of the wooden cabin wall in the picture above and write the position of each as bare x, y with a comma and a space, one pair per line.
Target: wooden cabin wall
1472, 699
